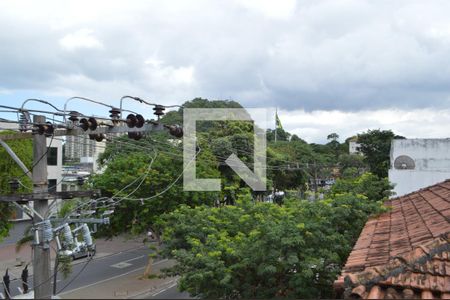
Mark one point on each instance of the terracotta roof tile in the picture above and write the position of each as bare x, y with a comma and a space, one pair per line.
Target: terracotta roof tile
404, 253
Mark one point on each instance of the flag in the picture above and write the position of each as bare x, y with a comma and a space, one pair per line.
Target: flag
277, 122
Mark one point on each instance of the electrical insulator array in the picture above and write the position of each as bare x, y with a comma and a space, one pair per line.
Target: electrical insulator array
47, 232
86, 235
91, 124
135, 121
67, 233
24, 120
159, 110
115, 115
48, 129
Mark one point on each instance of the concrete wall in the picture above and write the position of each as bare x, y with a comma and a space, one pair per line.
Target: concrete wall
432, 164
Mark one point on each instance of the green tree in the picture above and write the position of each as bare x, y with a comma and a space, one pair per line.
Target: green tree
368, 185
334, 144
376, 146
333, 137
9, 170
282, 135
261, 250
296, 138
352, 161
149, 168
287, 162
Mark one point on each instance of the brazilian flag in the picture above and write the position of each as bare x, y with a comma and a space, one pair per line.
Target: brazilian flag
278, 122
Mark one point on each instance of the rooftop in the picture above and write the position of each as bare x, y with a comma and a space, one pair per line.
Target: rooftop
403, 252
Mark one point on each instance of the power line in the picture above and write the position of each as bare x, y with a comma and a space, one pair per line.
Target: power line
76, 276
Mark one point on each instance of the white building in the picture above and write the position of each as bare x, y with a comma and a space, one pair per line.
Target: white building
418, 163
81, 149
353, 147
79, 146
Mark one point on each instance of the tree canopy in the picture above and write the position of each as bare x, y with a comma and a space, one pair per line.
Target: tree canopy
376, 146
228, 244
9, 170
260, 250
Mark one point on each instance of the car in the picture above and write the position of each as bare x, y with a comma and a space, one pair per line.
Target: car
81, 250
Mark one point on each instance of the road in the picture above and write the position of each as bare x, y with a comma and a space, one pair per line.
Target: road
87, 272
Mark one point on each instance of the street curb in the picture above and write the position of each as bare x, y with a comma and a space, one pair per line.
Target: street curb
156, 291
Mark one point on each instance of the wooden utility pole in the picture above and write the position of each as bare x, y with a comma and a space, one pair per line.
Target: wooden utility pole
41, 251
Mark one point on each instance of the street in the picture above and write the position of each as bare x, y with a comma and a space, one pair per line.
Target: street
95, 271
113, 270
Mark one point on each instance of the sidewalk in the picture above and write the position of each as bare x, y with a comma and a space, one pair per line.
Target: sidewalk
125, 286
16, 262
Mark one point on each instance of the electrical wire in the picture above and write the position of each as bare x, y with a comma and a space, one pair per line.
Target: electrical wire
89, 100
40, 158
120, 199
117, 193
76, 276
141, 177
168, 187
41, 101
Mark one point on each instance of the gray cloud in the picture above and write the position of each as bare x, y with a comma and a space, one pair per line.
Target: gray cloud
346, 55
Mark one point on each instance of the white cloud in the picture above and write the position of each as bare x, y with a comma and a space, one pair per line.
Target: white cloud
314, 126
81, 39
270, 8
315, 54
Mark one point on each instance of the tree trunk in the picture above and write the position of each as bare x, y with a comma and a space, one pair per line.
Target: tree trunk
148, 268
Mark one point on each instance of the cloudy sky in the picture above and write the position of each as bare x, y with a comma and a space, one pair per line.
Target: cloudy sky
329, 66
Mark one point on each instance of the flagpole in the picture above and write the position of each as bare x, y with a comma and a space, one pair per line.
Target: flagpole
276, 127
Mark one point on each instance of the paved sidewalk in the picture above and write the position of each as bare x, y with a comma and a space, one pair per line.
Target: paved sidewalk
128, 285
16, 261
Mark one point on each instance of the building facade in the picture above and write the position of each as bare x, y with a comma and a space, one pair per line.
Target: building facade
79, 146
418, 163
353, 147
82, 150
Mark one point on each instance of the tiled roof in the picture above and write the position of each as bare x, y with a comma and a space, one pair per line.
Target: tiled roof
405, 252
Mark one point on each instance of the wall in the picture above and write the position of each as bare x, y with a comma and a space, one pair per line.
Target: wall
432, 164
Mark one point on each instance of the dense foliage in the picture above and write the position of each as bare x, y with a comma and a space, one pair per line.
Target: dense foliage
368, 185
228, 244
260, 250
8, 170
376, 146
143, 170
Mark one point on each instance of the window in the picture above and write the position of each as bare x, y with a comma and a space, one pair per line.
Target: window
52, 156
52, 185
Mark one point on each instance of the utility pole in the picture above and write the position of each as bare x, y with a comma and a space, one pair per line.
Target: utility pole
134, 125
41, 249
